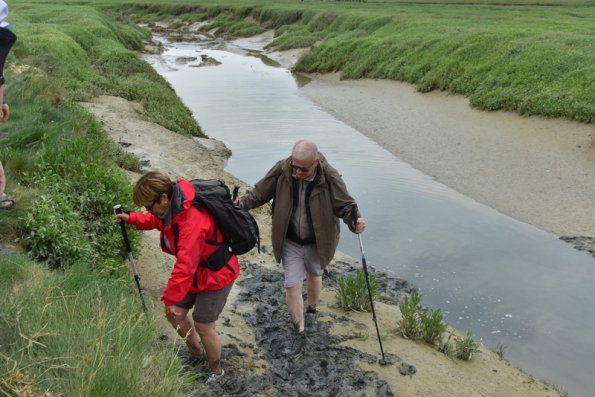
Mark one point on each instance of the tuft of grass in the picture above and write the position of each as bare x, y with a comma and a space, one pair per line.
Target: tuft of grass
466, 347
500, 351
463, 348
432, 326
352, 292
417, 323
410, 324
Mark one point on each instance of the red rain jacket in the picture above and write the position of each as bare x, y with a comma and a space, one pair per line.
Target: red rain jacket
185, 237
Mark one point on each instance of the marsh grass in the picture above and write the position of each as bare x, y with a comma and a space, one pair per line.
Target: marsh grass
76, 331
352, 291
417, 323
500, 349
433, 326
463, 348
75, 334
466, 347
55, 152
409, 325
505, 55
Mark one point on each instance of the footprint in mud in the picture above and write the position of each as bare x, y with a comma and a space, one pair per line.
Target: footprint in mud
311, 363
288, 346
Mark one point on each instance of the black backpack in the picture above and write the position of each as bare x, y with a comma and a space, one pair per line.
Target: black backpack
237, 226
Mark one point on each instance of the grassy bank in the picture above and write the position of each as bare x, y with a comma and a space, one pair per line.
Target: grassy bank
520, 56
76, 330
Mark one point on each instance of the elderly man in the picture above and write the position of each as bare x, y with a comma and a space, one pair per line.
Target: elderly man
309, 196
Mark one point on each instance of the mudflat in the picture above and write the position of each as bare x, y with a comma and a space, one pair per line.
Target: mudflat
539, 171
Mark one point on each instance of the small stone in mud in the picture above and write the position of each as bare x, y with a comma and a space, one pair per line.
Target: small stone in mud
184, 60
407, 369
207, 61
389, 359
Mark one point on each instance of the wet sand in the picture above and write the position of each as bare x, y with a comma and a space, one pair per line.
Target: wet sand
536, 170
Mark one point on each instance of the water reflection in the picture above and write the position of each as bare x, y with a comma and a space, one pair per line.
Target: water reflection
511, 284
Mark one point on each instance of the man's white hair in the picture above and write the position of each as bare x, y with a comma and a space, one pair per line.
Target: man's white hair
304, 149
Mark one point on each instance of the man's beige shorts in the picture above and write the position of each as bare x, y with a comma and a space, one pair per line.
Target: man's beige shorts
297, 260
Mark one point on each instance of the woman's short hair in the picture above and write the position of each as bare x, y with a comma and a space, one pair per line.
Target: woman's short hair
150, 187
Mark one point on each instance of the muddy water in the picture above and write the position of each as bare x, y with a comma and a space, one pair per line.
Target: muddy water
510, 283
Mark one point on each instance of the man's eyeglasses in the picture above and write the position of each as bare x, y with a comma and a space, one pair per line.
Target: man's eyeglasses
303, 169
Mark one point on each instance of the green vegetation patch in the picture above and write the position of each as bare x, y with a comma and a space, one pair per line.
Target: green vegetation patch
523, 60
352, 291
78, 335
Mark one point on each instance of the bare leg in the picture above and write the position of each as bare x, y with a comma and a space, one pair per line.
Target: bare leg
178, 318
295, 305
314, 289
212, 343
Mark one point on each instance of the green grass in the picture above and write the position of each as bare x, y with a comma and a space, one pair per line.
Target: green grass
520, 56
417, 323
352, 291
76, 331
75, 334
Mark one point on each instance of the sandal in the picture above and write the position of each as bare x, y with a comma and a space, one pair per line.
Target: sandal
6, 202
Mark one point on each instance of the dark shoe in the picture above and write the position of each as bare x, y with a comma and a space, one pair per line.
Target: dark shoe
310, 322
311, 310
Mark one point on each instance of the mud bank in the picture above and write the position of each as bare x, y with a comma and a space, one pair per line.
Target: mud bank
537, 170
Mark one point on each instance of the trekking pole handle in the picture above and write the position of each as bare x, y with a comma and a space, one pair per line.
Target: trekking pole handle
234, 196
354, 216
119, 210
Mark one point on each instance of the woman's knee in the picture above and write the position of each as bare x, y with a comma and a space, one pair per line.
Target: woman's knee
175, 315
205, 328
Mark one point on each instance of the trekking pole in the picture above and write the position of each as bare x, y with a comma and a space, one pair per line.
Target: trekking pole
361, 247
118, 209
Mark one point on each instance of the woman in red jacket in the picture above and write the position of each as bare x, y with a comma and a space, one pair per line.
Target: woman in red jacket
185, 231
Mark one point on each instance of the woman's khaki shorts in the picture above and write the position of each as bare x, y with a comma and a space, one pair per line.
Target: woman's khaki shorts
297, 260
208, 305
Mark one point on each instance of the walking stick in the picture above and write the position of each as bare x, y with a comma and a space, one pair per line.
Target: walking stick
119, 210
361, 247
